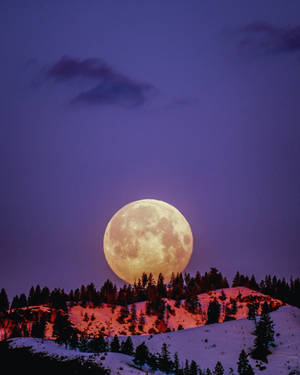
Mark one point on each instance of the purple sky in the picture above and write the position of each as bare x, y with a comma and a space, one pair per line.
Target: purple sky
192, 102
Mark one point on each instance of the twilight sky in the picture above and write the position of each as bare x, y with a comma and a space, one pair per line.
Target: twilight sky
105, 102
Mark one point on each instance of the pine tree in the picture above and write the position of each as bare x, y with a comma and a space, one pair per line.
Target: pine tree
215, 279
244, 367
38, 328
225, 283
192, 303
91, 294
233, 306
144, 280
22, 300
236, 280
115, 344
83, 296
62, 329
83, 343
186, 370
45, 295
165, 364
153, 361
124, 313
253, 284
74, 340
58, 299
4, 303
127, 346
31, 297
193, 368
251, 311
133, 318
16, 331
15, 303
223, 296
86, 317
37, 295
176, 364
219, 369
161, 287
96, 345
103, 345
213, 312
141, 354
264, 333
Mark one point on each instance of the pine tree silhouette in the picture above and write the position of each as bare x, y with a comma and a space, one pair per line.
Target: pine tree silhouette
62, 329
15, 303
176, 364
141, 354
213, 312
38, 328
186, 369
4, 303
115, 344
264, 333
219, 370
153, 361
165, 364
193, 368
252, 310
124, 313
244, 367
74, 340
23, 300
127, 346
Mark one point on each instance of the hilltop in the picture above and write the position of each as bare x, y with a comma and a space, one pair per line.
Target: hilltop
105, 319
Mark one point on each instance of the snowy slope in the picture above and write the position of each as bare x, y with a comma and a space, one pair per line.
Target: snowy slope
206, 345
105, 320
118, 363
225, 341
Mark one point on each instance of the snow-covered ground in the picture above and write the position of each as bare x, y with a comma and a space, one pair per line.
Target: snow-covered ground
224, 342
93, 320
206, 345
118, 363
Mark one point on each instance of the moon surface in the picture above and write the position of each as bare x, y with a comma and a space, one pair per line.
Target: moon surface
147, 235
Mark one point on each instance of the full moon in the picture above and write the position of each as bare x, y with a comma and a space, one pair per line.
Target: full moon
147, 235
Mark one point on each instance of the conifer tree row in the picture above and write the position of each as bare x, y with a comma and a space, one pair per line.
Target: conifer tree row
288, 292
181, 288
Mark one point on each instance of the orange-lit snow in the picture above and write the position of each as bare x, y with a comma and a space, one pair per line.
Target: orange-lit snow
106, 323
102, 320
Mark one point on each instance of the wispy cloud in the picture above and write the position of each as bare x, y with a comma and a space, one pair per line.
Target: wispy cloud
269, 39
107, 85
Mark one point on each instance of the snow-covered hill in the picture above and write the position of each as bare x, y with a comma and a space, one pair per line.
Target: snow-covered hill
118, 363
102, 319
94, 320
225, 341
206, 345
